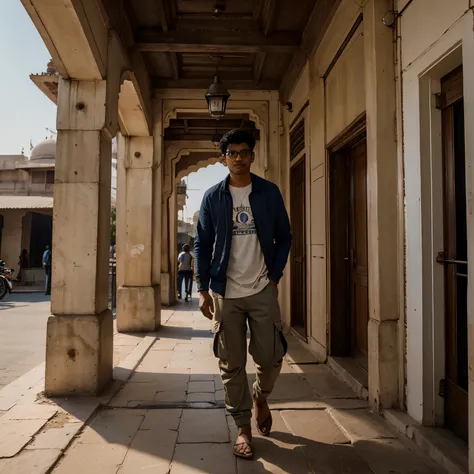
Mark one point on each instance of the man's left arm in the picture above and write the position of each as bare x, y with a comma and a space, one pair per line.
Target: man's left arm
282, 240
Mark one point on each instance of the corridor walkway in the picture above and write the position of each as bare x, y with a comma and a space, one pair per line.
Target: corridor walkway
169, 417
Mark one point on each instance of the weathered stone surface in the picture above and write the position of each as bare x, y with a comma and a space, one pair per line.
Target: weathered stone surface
325, 383
79, 354
279, 454
361, 424
14, 436
316, 425
202, 387
199, 426
31, 411
136, 310
135, 391
55, 437
30, 462
113, 427
390, 456
151, 451
292, 387
203, 457
166, 419
171, 396
202, 378
200, 397
97, 458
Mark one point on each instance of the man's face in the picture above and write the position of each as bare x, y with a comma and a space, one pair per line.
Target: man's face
239, 158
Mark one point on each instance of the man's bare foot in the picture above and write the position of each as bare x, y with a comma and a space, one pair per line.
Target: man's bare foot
263, 417
243, 443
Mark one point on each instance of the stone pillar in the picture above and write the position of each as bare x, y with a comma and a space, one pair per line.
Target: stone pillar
138, 298
79, 346
167, 289
382, 196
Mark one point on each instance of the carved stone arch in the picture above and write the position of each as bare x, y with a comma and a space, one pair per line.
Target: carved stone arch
194, 161
257, 111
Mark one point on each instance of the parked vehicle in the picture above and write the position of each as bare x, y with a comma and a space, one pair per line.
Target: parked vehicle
6, 275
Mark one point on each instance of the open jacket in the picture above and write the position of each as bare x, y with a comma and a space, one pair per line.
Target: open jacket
214, 232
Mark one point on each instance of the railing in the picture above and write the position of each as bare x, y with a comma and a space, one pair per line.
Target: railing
113, 282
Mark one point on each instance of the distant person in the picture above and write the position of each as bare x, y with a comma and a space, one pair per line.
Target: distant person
47, 256
23, 264
185, 272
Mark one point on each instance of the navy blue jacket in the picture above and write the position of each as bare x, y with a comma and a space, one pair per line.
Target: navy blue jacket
214, 232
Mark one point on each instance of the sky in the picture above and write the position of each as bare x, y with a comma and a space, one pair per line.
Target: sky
25, 112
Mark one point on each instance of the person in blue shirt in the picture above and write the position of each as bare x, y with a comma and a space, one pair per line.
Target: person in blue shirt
242, 243
47, 269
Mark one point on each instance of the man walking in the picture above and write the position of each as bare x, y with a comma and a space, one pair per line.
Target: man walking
242, 244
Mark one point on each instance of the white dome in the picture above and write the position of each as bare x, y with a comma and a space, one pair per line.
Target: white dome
45, 150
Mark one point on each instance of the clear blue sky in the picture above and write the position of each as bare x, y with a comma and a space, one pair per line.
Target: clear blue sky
25, 111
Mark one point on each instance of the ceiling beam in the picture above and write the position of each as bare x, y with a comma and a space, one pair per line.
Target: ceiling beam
269, 16
174, 65
205, 83
151, 40
258, 66
163, 14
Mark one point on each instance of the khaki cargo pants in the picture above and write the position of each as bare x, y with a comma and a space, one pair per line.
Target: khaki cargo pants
267, 347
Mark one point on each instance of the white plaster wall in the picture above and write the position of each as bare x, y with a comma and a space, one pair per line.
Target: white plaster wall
345, 87
431, 30
424, 22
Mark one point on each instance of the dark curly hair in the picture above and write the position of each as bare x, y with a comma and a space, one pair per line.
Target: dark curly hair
236, 137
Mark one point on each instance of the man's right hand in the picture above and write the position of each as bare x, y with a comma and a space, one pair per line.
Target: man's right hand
206, 304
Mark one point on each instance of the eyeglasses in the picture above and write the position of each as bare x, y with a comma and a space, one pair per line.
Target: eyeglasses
242, 153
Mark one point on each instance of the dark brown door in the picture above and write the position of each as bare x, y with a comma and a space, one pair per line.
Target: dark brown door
298, 260
357, 160
454, 257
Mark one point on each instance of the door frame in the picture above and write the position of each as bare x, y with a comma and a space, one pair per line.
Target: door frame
340, 319
305, 153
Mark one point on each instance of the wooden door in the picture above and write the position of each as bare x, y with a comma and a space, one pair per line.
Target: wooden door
298, 249
358, 260
454, 257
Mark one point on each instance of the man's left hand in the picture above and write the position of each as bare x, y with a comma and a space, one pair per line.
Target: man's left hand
273, 284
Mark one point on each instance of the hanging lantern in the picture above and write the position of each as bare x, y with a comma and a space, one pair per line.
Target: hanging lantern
217, 96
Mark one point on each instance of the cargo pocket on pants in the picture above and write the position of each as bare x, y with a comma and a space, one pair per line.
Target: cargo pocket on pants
219, 346
281, 346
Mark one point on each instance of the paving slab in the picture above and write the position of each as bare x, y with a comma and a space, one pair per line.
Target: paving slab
201, 387
113, 427
15, 435
277, 454
151, 451
391, 456
167, 419
99, 458
203, 457
170, 396
135, 391
203, 426
315, 425
200, 397
30, 462
325, 383
291, 387
361, 425
31, 411
55, 436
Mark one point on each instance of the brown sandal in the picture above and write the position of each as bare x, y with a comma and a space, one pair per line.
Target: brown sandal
264, 428
242, 453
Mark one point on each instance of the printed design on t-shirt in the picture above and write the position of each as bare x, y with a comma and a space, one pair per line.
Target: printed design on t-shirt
243, 221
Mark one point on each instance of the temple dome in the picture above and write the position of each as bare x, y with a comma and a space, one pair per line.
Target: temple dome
45, 150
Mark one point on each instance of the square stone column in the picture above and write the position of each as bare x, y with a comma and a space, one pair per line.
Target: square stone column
79, 348
138, 297
383, 201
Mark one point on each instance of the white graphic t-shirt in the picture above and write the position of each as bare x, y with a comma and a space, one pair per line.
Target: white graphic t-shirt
246, 272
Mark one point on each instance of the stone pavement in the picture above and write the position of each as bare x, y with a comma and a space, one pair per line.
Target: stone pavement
23, 320
167, 417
